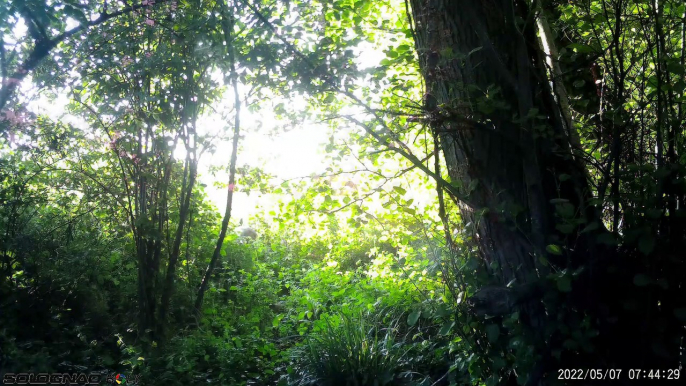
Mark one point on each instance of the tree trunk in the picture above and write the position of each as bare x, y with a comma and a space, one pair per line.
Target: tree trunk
227, 27
478, 64
529, 198
185, 204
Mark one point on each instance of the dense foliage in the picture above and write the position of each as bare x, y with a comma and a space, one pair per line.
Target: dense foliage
502, 193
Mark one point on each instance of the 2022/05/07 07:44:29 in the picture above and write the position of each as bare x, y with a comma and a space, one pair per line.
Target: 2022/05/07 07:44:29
617, 374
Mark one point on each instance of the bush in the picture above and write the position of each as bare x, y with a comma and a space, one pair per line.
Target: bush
353, 351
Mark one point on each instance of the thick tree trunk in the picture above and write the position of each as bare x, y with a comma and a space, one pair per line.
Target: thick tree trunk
479, 64
530, 199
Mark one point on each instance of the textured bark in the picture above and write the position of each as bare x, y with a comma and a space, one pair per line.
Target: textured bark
471, 48
510, 169
509, 165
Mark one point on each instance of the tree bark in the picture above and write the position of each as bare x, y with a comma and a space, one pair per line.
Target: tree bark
481, 60
510, 167
176, 247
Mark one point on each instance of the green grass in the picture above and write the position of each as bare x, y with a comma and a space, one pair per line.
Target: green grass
353, 351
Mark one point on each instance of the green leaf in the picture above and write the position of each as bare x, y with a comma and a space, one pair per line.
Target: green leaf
565, 228
580, 48
565, 209
590, 227
492, 332
446, 328
499, 363
607, 238
400, 190
564, 284
411, 211
554, 249
403, 47
413, 317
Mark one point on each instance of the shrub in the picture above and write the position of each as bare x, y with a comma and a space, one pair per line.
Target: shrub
353, 351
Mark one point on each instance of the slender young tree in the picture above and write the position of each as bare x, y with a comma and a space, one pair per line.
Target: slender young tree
227, 24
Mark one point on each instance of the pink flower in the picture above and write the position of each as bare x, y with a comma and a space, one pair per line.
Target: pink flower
148, 54
145, 2
150, 22
173, 5
232, 187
